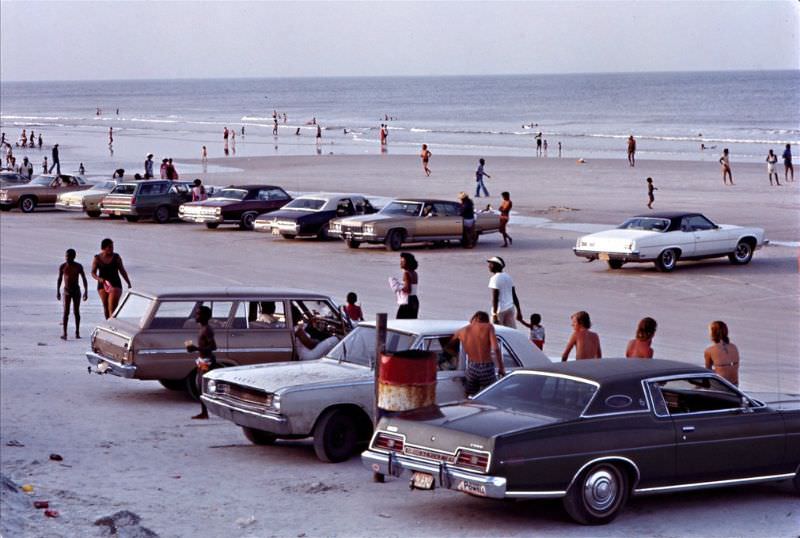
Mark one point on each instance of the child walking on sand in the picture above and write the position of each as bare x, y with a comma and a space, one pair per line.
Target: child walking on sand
650, 195
537, 330
425, 155
352, 309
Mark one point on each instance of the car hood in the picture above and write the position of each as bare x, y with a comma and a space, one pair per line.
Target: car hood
365, 219
79, 195
285, 375
292, 214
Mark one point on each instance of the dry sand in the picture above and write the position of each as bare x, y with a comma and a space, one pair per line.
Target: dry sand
130, 445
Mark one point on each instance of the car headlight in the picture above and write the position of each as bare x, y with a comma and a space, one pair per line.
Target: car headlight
3, 195
211, 386
273, 402
368, 229
218, 211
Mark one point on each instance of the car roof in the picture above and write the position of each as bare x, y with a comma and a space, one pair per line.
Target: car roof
252, 187
331, 195
615, 370
430, 326
667, 215
231, 292
424, 200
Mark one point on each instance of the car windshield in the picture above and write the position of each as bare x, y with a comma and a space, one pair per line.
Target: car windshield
648, 224
538, 393
408, 209
41, 180
308, 204
104, 185
126, 188
133, 309
358, 347
231, 194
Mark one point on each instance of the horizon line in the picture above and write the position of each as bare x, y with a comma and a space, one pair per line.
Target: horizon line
3, 80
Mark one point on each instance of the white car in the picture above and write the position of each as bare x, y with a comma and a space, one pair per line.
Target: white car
331, 398
664, 238
87, 201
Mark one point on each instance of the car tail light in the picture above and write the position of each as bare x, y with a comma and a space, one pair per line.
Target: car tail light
470, 459
387, 441
133, 200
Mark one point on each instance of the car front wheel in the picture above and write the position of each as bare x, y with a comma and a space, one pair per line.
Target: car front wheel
394, 241
259, 437
27, 204
598, 495
335, 436
743, 253
667, 260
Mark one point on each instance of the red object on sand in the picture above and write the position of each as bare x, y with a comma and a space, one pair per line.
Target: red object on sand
51, 513
41, 504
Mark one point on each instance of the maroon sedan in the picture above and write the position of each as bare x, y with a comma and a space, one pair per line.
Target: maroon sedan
237, 204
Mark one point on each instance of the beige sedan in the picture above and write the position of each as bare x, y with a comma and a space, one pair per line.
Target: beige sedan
41, 191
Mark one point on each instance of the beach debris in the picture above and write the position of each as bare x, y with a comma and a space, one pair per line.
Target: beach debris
387, 516
124, 524
56, 457
27, 488
51, 513
39, 505
581, 161
14, 442
41, 343
246, 521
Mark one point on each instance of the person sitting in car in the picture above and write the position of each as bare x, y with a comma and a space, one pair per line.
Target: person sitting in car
267, 315
308, 347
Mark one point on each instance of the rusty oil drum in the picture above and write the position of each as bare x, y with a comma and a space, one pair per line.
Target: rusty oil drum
407, 380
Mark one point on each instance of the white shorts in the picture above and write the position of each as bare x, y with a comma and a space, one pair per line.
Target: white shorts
770, 168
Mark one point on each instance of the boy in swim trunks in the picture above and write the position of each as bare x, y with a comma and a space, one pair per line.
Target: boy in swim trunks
69, 272
479, 343
650, 189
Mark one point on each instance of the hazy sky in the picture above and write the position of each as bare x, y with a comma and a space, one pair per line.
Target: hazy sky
110, 40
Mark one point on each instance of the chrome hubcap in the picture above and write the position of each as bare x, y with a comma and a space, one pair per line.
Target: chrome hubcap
600, 490
742, 251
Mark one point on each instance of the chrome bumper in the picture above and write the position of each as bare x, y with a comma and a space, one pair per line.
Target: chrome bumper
444, 476
114, 368
201, 219
69, 207
605, 256
357, 236
273, 423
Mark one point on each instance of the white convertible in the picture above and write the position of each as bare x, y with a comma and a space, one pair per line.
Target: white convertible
331, 399
664, 238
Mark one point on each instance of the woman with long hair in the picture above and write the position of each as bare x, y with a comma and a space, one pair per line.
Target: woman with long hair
106, 270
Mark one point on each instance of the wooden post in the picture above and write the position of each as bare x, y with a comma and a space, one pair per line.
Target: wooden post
380, 347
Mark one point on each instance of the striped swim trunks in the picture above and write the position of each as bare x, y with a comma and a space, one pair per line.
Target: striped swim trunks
479, 375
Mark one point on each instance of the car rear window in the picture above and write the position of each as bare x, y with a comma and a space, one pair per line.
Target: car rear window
312, 204
646, 224
124, 189
133, 309
538, 393
408, 209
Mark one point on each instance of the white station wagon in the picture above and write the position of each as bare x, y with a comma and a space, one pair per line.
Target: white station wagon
664, 238
331, 398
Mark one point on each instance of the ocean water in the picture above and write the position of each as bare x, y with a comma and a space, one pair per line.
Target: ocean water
670, 114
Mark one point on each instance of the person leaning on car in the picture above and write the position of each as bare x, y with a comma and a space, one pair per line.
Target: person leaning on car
479, 341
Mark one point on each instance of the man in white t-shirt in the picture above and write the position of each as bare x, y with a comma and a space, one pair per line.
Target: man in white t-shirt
505, 305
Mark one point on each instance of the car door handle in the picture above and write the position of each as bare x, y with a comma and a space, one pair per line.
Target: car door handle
688, 428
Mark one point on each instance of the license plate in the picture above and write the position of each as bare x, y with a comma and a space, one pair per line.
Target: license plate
421, 480
471, 488
603, 256
276, 231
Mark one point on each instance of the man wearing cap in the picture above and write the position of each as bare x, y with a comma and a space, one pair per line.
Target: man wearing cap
505, 304
148, 167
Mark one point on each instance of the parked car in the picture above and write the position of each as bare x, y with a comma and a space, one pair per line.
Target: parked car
664, 238
41, 191
414, 220
156, 199
237, 204
593, 432
87, 201
12, 178
309, 215
145, 337
331, 399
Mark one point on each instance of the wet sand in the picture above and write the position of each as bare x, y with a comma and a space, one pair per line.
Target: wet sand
130, 445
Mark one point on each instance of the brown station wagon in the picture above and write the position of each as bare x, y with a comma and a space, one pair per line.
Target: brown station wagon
146, 336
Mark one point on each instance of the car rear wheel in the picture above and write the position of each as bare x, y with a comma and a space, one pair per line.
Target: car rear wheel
394, 241
259, 437
615, 264
667, 260
93, 214
743, 253
173, 384
161, 215
212, 225
191, 387
598, 495
335, 436
132, 218
352, 243
27, 204
247, 221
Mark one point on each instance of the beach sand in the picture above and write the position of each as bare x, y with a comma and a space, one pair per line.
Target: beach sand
130, 445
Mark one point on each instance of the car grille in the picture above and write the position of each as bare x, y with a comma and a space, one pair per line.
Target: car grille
351, 228
199, 211
236, 394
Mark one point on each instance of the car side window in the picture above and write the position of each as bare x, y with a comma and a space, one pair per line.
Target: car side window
345, 208
152, 189
446, 359
698, 222
452, 210
180, 314
509, 359
698, 395
272, 194
260, 315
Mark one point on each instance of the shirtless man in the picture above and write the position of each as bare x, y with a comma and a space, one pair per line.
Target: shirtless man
585, 342
722, 356
479, 343
69, 272
631, 151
